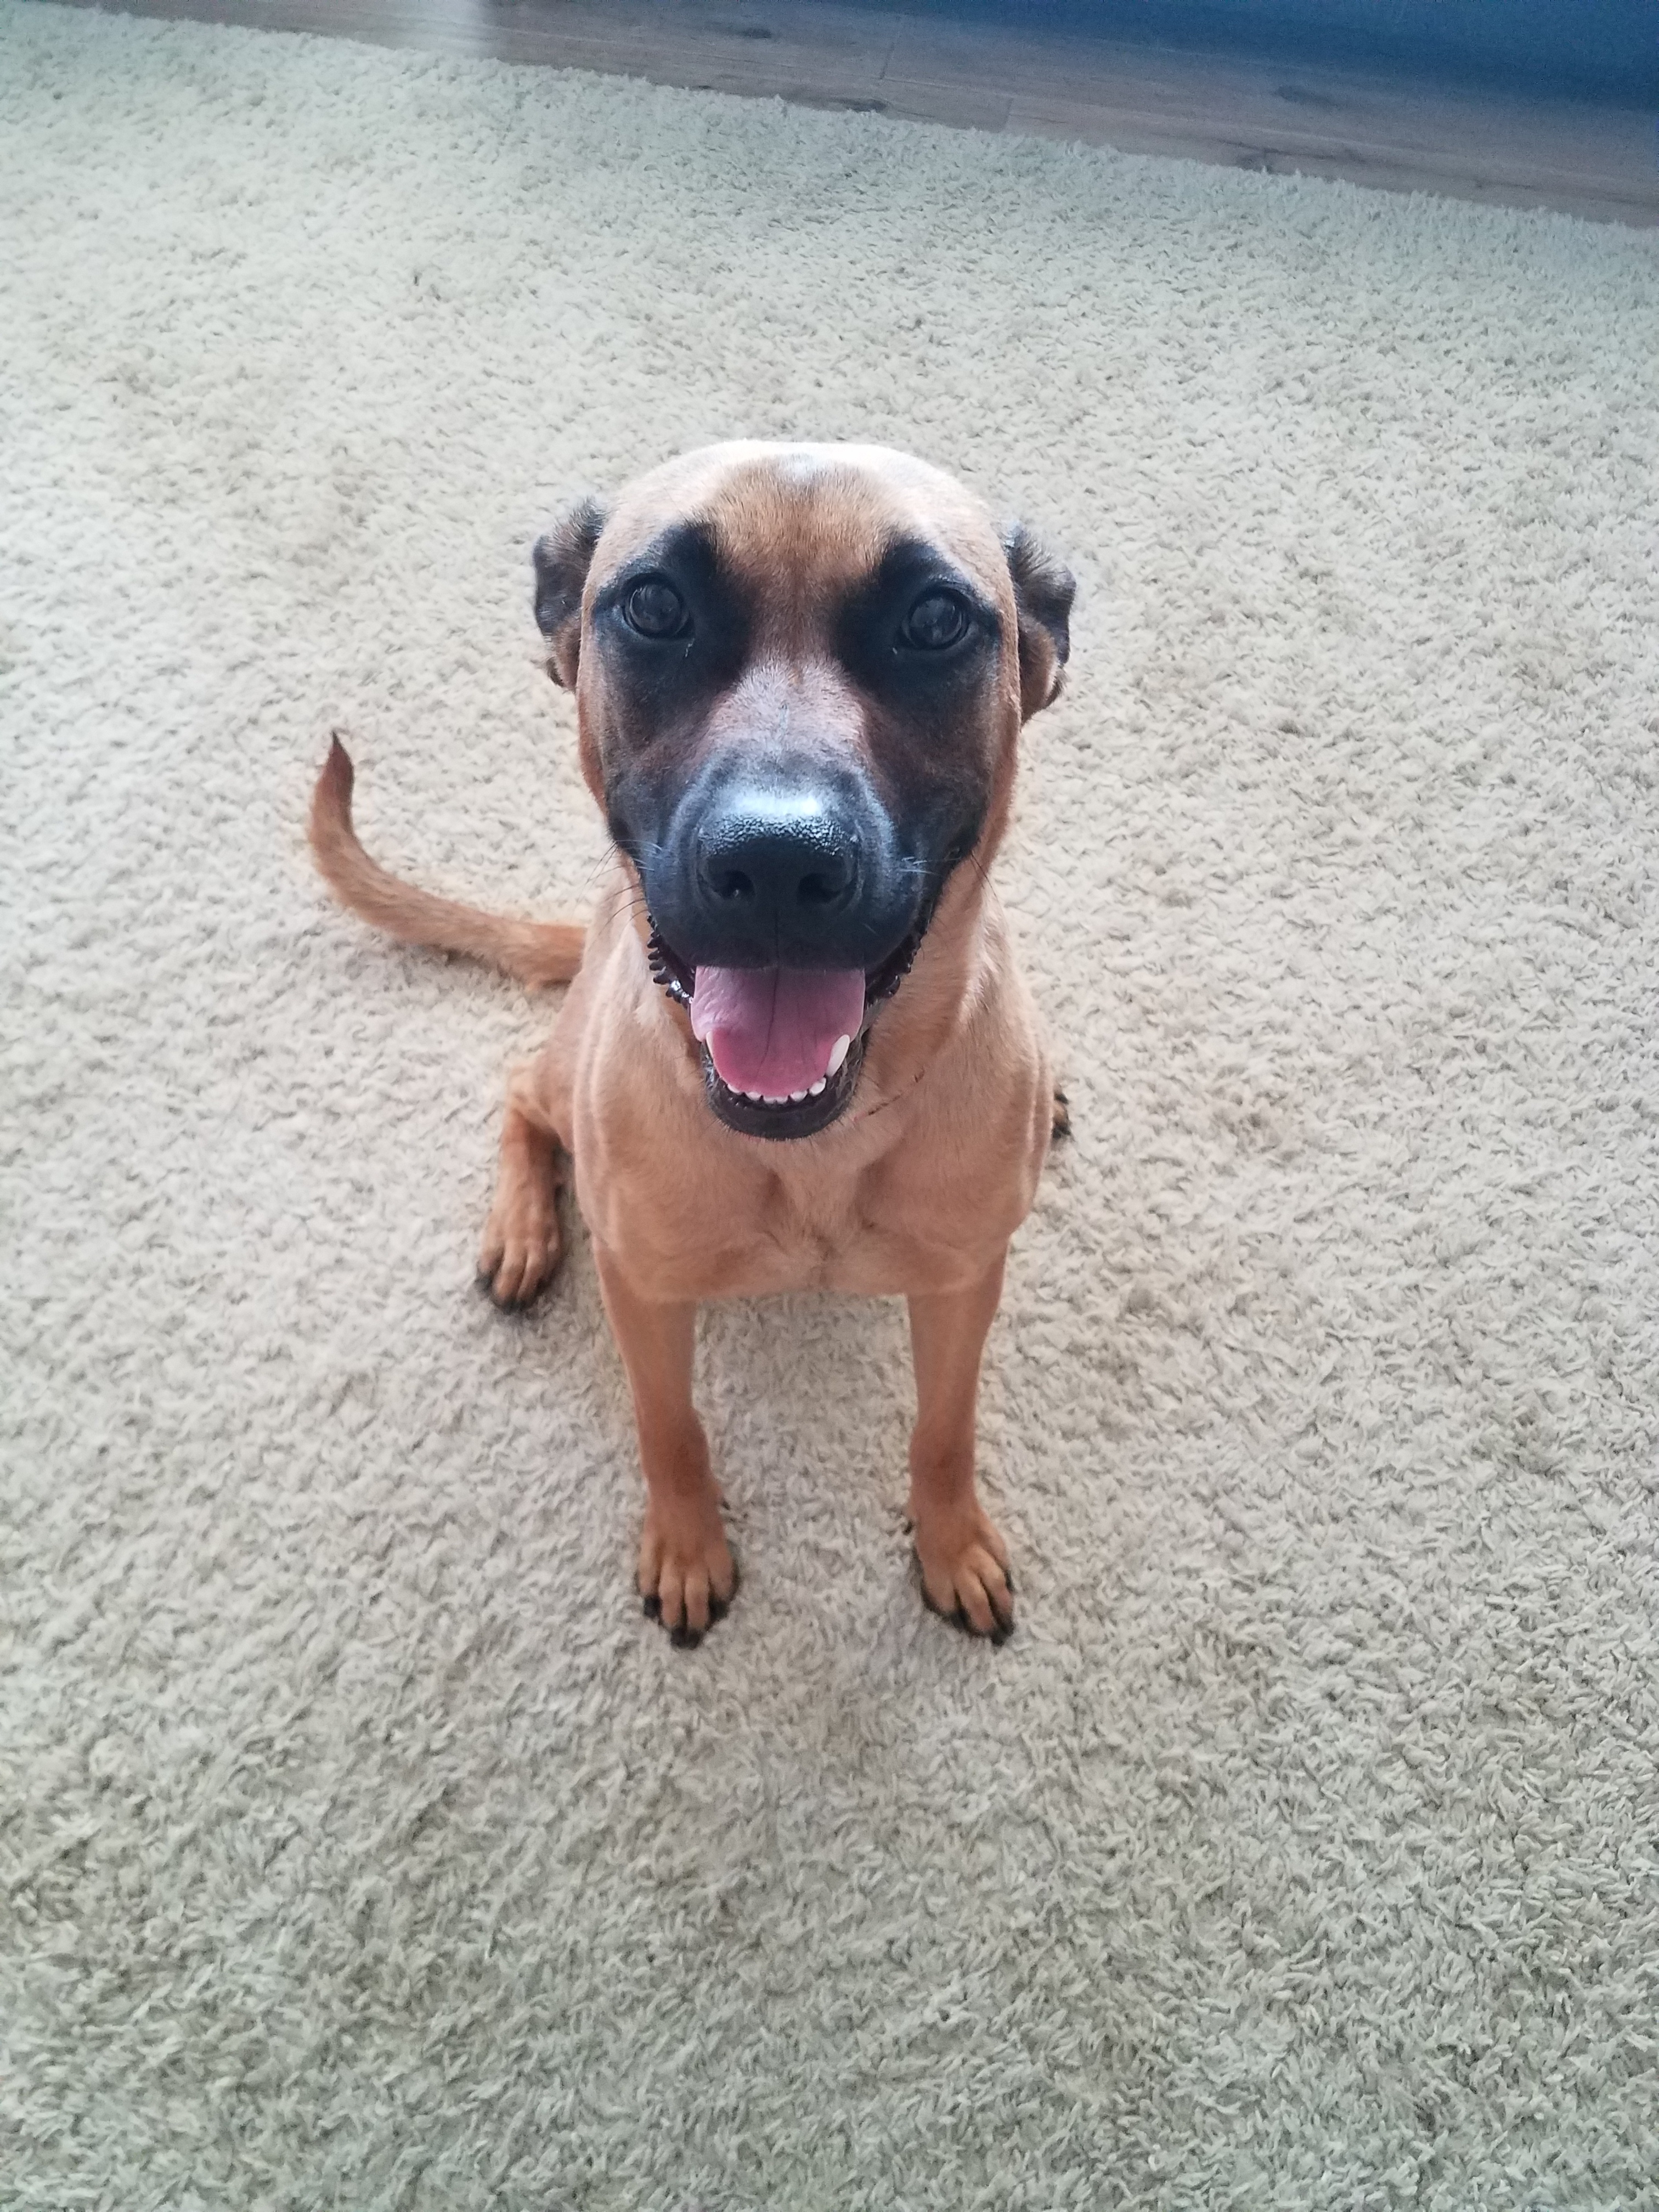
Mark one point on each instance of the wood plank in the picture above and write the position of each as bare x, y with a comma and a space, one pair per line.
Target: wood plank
952, 105
1386, 171
1056, 81
613, 39
1372, 128
1554, 166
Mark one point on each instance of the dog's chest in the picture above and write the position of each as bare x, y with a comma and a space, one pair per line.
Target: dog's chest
777, 1233
814, 1239
787, 1237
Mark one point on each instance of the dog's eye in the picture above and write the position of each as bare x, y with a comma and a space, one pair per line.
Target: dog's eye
936, 620
655, 609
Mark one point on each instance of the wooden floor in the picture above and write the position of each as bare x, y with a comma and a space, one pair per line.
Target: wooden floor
1373, 127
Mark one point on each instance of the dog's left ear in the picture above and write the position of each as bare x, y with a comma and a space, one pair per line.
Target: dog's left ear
1043, 592
563, 559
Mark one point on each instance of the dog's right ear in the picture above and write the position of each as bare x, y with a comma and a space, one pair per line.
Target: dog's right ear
563, 559
1043, 591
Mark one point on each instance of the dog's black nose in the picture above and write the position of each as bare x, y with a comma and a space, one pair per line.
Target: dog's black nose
779, 863
787, 864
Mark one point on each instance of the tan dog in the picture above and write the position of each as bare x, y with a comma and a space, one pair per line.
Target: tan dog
796, 1053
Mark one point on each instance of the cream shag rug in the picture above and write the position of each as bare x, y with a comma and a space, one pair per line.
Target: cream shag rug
363, 1846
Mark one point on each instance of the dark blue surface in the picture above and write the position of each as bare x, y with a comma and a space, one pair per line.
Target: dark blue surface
1606, 48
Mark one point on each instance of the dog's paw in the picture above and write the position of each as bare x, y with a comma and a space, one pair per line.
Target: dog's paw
521, 1248
965, 1573
686, 1576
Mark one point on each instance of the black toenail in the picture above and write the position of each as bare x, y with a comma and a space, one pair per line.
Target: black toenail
685, 1639
651, 1606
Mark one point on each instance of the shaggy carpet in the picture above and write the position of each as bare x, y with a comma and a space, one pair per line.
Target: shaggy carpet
362, 1845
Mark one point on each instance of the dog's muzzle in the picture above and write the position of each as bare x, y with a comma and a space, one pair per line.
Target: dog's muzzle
777, 897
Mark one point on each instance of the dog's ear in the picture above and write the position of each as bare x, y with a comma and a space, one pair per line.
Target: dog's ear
1043, 592
563, 559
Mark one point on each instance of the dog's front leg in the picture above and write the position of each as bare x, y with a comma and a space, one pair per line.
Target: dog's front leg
521, 1245
964, 1558
686, 1574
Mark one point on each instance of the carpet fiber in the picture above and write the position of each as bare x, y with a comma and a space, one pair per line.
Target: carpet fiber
361, 1844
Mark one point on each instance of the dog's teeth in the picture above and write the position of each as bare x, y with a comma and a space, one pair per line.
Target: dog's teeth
843, 1046
755, 1095
817, 1086
794, 1095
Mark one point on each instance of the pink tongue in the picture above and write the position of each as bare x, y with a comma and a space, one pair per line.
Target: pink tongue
772, 1029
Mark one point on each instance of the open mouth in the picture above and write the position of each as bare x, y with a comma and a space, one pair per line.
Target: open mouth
782, 1049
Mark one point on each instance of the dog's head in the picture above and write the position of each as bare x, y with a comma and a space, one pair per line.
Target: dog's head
800, 674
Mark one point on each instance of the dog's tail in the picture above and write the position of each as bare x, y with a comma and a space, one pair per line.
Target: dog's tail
534, 951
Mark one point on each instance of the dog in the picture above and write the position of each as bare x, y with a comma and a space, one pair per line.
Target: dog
796, 1053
